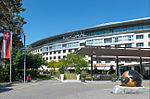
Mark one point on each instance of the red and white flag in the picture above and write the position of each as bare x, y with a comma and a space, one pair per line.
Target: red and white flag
5, 53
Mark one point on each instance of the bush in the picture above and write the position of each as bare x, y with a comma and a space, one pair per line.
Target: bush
113, 75
33, 73
70, 76
83, 74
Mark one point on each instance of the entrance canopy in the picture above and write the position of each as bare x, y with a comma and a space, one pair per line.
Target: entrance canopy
111, 51
98, 51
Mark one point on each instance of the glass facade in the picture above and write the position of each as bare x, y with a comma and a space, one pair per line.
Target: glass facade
117, 45
94, 42
45, 49
122, 39
71, 45
55, 47
80, 34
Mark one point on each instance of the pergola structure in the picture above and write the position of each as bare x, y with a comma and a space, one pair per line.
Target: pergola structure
112, 51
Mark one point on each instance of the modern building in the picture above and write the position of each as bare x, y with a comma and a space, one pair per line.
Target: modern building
132, 33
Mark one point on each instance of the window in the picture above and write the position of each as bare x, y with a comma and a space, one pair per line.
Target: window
46, 53
59, 57
108, 40
50, 58
54, 57
98, 61
70, 50
44, 49
50, 53
128, 45
64, 51
46, 58
64, 56
139, 36
117, 45
107, 61
107, 46
139, 44
59, 52
82, 44
148, 43
54, 52
148, 35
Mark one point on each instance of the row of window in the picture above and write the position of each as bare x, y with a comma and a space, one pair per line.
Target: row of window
118, 39
51, 58
122, 29
59, 52
141, 36
96, 41
141, 44
110, 40
109, 61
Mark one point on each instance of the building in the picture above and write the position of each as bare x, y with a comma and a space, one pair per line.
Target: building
131, 33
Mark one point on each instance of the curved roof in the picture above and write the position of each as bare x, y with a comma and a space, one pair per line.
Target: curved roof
101, 26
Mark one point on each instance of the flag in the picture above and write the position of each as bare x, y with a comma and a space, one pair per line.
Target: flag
5, 52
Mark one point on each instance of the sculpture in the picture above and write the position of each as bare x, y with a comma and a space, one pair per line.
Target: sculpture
131, 78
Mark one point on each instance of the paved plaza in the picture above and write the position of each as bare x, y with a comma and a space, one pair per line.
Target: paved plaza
53, 89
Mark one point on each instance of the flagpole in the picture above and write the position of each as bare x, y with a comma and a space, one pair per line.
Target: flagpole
10, 56
24, 58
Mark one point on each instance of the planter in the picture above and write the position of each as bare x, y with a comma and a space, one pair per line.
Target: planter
61, 77
78, 76
113, 79
82, 79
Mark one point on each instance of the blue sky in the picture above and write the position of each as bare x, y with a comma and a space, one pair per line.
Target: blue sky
46, 18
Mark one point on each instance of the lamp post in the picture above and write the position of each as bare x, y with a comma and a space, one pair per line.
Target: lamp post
24, 58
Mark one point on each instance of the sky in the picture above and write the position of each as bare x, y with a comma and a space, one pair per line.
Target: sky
47, 18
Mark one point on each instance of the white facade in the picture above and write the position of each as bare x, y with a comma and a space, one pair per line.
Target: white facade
134, 36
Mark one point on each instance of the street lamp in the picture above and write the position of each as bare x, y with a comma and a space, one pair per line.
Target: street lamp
24, 49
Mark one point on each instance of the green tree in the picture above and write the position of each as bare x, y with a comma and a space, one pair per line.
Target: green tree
76, 61
33, 61
10, 18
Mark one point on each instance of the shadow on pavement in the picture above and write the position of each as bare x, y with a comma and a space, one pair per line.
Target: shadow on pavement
5, 87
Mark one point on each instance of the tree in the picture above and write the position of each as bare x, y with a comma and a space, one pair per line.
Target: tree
76, 61
11, 20
33, 61
53, 65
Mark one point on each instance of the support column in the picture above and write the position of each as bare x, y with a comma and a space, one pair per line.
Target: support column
92, 67
117, 67
141, 67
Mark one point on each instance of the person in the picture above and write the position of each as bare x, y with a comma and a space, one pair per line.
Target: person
29, 78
